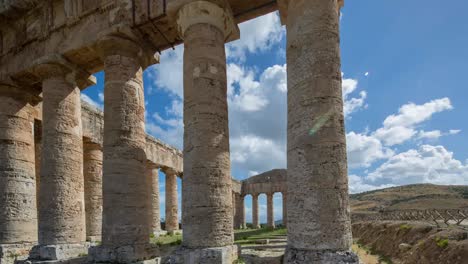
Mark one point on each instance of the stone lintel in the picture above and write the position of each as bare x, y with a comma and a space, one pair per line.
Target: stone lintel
10, 88
283, 9
55, 65
206, 12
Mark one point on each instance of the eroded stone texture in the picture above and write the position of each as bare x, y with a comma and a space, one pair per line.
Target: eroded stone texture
285, 209
239, 217
318, 209
126, 227
153, 176
207, 199
172, 216
92, 170
18, 212
255, 219
270, 211
61, 197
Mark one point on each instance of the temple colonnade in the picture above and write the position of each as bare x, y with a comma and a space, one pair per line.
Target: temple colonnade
51, 58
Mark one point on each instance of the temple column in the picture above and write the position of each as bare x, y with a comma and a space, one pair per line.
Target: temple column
239, 218
172, 207
92, 170
207, 204
270, 211
62, 222
125, 227
285, 209
255, 218
319, 228
155, 221
18, 212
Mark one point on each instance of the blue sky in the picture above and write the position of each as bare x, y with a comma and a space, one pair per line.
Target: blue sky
404, 85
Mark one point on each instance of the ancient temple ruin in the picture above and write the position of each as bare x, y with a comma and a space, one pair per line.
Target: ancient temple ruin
70, 175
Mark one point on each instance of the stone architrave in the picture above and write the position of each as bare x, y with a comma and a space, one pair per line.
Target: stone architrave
319, 228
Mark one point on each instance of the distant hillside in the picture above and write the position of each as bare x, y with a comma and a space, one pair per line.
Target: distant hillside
417, 196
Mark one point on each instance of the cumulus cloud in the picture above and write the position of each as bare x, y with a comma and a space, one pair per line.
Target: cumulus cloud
257, 35
358, 185
427, 164
398, 128
168, 75
355, 103
364, 150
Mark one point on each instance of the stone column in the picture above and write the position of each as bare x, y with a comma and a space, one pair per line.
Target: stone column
92, 170
255, 218
62, 222
285, 209
172, 208
125, 227
155, 220
207, 212
18, 212
270, 211
319, 229
239, 218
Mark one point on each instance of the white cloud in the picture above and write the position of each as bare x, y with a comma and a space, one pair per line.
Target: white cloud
434, 134
257, 35
358, 185
428, 164
401, 127
352, 104
168, 75
366, 74
101, 97
454, 131
90, 101
363, 150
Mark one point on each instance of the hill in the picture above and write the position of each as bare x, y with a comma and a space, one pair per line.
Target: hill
416, 196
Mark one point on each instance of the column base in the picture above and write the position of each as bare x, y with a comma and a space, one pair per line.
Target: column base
144, 253
299, 256
217, 255
58, 252
11, 253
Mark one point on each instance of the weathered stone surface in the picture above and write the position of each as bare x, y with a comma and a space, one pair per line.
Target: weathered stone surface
92, 170
255, 218
218, 255
18, 211
318, 206
268, 182
58, 252
61, 194
126, 227
270, 211
285, 209
12, 253
206, 191
155, 220
172, 208
239, 216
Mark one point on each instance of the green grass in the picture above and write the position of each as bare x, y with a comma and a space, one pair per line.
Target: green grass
249, 236
441, 242
167, 240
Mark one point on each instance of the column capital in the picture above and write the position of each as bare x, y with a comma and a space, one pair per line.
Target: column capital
283, 6
10, 89
54, 65
115, 44
206, 12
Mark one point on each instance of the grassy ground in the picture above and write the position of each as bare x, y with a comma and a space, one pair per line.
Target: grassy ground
170, 240
249, 236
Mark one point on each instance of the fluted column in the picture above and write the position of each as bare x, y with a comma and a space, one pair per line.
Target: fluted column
155, 221
172, 207
285, 209
18, 211
319, 229
61, 194
206, 192
270, 211
255, 218
126, 226
92, 170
